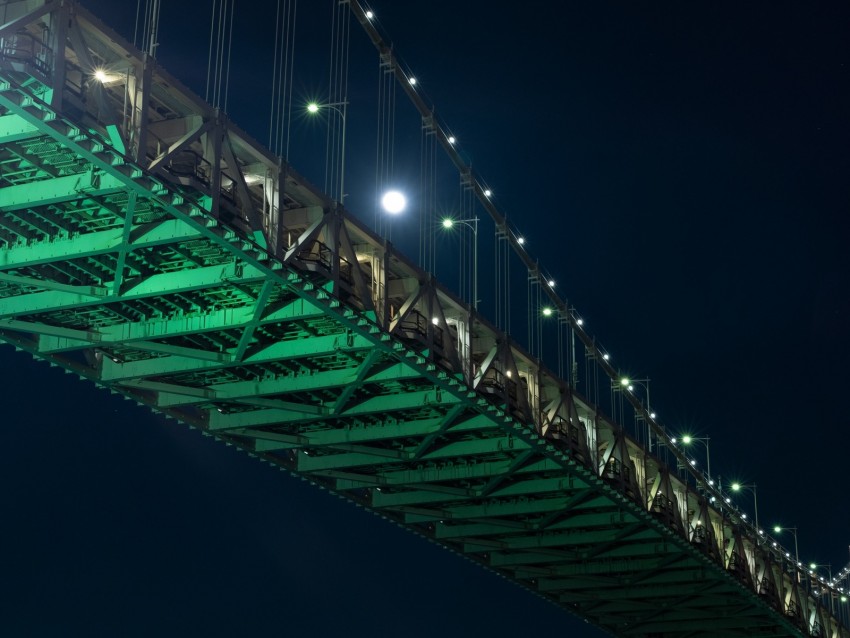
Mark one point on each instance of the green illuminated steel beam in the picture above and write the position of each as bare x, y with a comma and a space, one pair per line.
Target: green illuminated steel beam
13, 129
315, 347
56, 339
47, 192
268, 441
153, 286
94, 244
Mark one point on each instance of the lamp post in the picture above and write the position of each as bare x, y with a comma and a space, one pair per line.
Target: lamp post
737, 487
472, 224
341, 108
629, 384
687, 439
779, 529
826, 587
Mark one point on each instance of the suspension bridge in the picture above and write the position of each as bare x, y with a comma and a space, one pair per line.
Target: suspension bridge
151, 246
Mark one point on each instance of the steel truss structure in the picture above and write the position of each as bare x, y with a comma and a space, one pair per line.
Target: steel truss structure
149, 245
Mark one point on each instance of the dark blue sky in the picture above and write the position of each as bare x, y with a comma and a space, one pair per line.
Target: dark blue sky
680, 169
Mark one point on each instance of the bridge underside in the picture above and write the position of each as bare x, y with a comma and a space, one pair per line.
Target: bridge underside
143, 282
127, 280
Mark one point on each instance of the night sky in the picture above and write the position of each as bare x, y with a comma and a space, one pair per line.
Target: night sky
681, 169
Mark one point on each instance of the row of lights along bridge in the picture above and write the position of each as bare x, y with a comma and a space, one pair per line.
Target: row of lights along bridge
687, 440
394, 202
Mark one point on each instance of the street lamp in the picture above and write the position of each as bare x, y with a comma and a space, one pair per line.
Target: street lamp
472, 224
737, 487
341, 108
687, 439
629, 384
825, 586
779, 529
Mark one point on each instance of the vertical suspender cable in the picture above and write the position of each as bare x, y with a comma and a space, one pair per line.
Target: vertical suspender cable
229, 50
466, 253
155, 11
560, 347
284, 58
529, 306
150, 27
463, 213
538, 316
289, 66
338, 96
428, 195
506, 247
329, 147
136, 27
497, 268
276, 88
218, 61
386, 139
222, 52
503, 279
210, 66
219, 53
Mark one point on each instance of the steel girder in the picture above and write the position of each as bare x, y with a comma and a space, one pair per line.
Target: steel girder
142, 284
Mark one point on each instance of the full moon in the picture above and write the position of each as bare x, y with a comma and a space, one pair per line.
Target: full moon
393, 202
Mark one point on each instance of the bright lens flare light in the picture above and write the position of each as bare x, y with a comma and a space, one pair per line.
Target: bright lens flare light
394, 202
313, 107
448, 222
100, 75
547, 312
